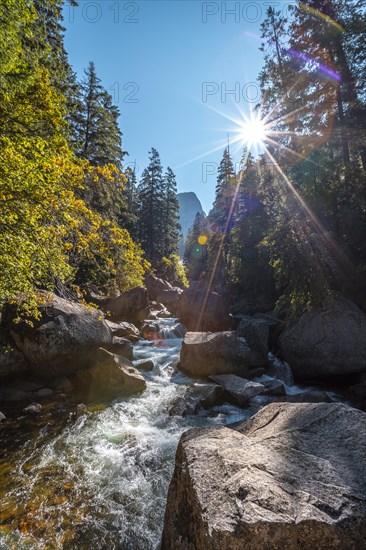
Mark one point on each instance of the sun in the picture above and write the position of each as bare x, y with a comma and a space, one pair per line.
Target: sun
253, 131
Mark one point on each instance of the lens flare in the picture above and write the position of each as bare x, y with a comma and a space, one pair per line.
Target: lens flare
253, 131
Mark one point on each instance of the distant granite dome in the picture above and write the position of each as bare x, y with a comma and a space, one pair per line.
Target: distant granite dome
189, 206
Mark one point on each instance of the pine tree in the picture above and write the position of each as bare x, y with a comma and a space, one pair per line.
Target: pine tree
225, 191
128, 214
171, 217
151, 210
100, 135
50, 46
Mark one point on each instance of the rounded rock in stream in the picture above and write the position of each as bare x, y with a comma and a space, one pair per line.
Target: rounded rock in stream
110, 376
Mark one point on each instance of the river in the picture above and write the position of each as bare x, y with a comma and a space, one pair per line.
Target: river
100, 481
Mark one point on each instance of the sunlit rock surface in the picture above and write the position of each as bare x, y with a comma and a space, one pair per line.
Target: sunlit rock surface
293, 476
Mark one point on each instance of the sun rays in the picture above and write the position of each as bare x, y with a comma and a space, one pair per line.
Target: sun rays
260, 133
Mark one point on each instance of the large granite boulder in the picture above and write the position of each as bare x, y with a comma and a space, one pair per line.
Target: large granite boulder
203, 310
131, 306
207, 353
292, 477
326, 341
63, 340
109, 377
12, 362
156, 286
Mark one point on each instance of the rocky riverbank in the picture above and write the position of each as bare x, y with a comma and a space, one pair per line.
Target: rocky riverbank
78, 365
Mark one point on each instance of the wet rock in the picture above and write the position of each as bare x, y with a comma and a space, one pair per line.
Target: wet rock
12, 362
291, 477
110, 376
280, 370
121, 346
196, 397
205, 353
179, 330
237, 389
203, 310
326, 341
123, 329
33, 408
150, 331
63, 340
131, 306
45, 392
144, 364
274, 387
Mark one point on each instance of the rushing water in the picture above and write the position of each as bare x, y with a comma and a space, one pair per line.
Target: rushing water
99, 482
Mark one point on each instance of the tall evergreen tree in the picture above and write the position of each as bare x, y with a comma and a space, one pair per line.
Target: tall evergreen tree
225, 191
171, 217
128, 214
50, 46
151, 210
100, 136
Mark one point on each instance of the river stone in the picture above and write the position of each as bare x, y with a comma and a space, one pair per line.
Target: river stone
205, 353
274, 387
131, 306
12, 363
196, 397
110, 376
292, 477
121, 346
64, 340
203, 310
150, 330
33, 408
144, 364
237, 389
123, 329
326, 341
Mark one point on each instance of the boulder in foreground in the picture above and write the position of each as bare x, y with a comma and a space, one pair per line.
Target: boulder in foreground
205, 353
292, 477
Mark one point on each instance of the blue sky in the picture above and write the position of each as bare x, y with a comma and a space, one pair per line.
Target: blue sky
156, 58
